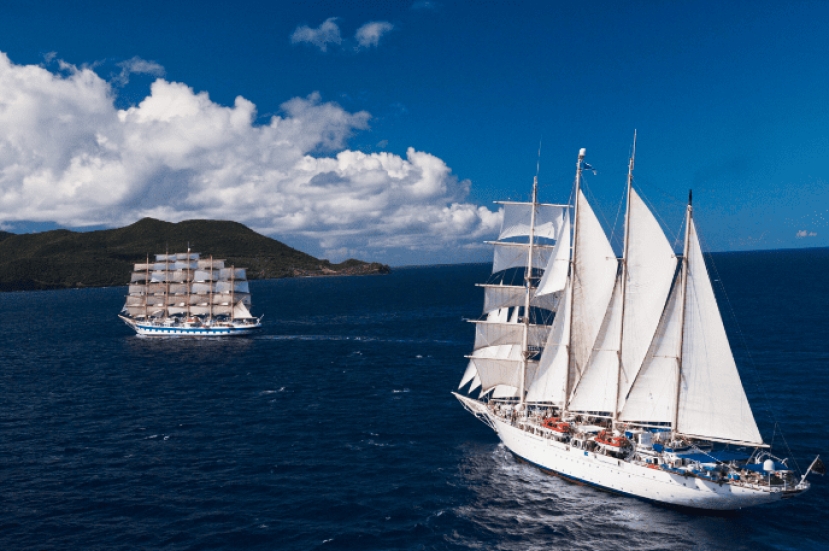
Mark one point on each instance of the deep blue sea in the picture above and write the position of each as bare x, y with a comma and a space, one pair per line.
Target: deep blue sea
335, 428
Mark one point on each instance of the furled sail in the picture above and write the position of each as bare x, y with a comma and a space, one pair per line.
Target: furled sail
650, 265
514, 255
652, 397
550, 380
517, 217
712, 402
593, 281
555, 273
596, 390
500, 296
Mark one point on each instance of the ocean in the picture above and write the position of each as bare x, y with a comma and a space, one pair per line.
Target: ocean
335, 427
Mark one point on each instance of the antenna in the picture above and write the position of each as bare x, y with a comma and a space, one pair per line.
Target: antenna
538, 162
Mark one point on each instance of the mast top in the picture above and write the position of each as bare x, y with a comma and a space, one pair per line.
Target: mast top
690, 197
582, 153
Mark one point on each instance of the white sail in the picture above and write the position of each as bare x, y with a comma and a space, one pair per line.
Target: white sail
493, 334
137, 311
237, 286
184, 265
550, 380
652, 397
201, 288
712, 402
504, 391
500, 296
207, 264
593, 282
138, 276
232, 273
468, 375
495, 371
555, 273
240, 311
514, 255
205, 275
596, 390
144, 267
517, 216
138, 289
650, 267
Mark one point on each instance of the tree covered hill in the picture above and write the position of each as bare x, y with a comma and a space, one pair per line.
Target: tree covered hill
62, 259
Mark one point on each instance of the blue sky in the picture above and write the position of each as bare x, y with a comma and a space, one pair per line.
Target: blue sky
729, 100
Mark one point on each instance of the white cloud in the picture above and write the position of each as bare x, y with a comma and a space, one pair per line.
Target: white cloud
369, 34
137, 66
327, 33
805, 233
67, 155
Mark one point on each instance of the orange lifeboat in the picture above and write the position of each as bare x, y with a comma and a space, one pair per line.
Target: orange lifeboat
606, 439
556, 425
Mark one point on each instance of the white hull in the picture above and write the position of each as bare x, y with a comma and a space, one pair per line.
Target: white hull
616, 475
153, 330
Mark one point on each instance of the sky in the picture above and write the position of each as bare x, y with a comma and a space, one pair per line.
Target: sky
385, 130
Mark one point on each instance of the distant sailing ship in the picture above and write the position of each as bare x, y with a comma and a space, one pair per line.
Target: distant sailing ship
183, 295
614, 372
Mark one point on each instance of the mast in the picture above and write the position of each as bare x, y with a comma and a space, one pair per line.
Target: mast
232, 285
188, 280
210, 306
688, 215
147, 290
525, 353
567, 389
624, 281
167, 282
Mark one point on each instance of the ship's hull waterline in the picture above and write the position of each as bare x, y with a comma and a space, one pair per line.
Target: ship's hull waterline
151, 330
623, 477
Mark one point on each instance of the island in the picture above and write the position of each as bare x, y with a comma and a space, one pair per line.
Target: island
63, 259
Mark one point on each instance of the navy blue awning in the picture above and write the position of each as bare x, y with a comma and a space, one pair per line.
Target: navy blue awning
720, 456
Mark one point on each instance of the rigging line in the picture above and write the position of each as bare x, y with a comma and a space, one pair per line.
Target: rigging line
662, 222
757, 381
595, 205
618, 211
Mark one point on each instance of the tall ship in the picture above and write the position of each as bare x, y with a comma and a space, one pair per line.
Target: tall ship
616, 372
184, 295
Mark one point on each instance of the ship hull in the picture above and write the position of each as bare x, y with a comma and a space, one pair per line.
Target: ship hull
151, 330
622, 477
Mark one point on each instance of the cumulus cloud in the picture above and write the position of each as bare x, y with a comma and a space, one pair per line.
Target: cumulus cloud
137, 66
369, 34
327, 33
69, 156
805, 233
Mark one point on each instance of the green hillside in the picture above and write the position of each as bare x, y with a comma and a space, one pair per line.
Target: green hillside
61, 258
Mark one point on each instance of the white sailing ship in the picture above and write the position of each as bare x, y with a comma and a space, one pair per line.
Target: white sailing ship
617, 373
183, 295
